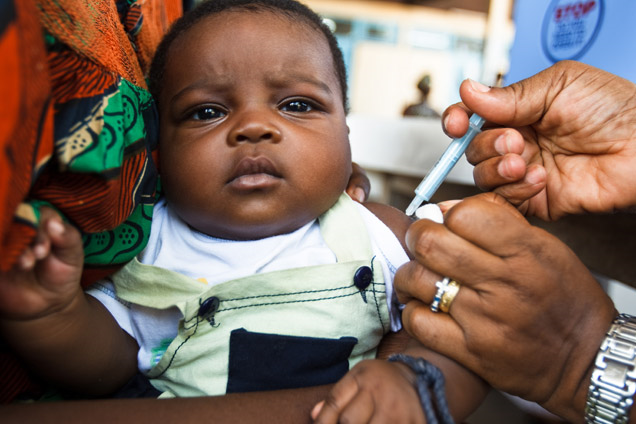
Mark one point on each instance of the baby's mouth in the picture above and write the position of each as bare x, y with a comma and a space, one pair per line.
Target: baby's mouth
254, 173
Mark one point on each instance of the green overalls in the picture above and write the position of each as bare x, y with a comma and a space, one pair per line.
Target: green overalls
284, 329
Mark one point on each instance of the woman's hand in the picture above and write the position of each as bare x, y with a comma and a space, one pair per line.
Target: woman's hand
560, 142
529, 317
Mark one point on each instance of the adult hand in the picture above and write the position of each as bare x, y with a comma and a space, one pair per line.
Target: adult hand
529, 317
570, 145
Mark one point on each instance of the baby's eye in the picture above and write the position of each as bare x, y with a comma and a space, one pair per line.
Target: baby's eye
297, 106
207, 113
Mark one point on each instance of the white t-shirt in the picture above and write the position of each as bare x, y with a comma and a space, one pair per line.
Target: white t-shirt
175, 246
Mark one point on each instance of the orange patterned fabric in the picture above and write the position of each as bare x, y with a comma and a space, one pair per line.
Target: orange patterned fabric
94, 30
26, 119
59, 94
77, 129
75, 78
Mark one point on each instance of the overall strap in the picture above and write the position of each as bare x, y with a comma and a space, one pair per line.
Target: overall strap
344, 231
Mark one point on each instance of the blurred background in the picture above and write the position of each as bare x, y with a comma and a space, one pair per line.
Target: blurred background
389, 46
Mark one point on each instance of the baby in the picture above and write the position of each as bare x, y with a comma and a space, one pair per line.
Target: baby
260, 273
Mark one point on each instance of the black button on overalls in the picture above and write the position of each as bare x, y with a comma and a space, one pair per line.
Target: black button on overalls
363, 277
208, 307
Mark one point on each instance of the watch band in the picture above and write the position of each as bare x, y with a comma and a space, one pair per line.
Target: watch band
613, 385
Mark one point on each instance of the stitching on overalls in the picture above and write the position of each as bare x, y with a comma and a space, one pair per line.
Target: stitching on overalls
288, 302
277, 303
289, 293
177, 350
375, 298
196, 324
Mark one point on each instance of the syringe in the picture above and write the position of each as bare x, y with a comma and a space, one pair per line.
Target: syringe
437, 175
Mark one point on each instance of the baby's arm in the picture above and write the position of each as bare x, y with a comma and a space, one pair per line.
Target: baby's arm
61, 334
393, 218
376, 387
382, 391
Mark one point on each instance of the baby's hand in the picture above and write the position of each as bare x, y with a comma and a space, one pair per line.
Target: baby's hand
373, 391
47, 276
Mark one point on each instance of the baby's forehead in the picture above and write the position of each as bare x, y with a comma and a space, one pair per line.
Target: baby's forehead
262, 17
227, 27
230, 24
299, 27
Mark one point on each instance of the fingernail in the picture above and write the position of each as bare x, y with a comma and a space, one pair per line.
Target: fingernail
316, 409
502, 144
446, 121
359, 195
26, 261
477, 86
534, 175
55, 227
447, 204
39, 251
503, 169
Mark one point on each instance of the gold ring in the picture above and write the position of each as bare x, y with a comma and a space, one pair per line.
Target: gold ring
449, 295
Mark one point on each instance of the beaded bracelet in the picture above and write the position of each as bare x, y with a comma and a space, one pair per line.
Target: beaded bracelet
428, 379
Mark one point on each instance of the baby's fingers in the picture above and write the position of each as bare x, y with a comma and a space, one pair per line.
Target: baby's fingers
329, 410
64, 239
359, 410
26, 261
41, 246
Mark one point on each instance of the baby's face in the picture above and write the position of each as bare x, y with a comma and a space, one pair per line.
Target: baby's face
254, 140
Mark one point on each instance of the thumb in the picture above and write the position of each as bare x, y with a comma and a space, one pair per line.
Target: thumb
519, 104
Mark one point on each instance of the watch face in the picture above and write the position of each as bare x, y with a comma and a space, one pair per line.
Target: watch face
613, 383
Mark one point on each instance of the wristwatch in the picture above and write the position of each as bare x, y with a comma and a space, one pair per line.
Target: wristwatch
613, 385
